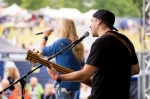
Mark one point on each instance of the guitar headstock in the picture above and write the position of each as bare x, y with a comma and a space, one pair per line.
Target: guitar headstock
32, 57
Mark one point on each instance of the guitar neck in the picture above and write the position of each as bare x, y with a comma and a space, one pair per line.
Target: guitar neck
59, 68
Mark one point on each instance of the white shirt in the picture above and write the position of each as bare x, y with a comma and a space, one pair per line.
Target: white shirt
84, 95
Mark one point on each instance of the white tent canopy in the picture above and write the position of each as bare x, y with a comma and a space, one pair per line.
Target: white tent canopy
62, 12
11, 10
53, 13
70, 13
88, 14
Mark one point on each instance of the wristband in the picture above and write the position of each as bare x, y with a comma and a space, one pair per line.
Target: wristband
55, 77
45, 38
58, 79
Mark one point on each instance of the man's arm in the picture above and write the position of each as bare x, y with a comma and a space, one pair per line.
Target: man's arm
88, 71
83, 74
135, 69
92, 64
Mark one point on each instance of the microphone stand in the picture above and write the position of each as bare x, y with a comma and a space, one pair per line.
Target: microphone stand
22, 80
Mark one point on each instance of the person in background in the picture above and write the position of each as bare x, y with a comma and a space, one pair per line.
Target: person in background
11, 72
84, 92
4, 84
17, 92
35, 89
48, 92
41, 21
2, 96
71, 58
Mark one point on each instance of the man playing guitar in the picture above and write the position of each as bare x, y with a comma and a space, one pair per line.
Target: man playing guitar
108, 59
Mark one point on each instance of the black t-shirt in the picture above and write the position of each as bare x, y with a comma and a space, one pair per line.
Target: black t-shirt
112, 58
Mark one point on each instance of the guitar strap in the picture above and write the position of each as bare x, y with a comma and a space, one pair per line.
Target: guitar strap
121, 40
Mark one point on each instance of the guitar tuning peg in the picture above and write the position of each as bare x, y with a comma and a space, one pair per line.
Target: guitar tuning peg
40, 53
33, 49
37, 51
33, 65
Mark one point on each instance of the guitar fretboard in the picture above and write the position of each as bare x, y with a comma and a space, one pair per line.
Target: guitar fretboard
63, 70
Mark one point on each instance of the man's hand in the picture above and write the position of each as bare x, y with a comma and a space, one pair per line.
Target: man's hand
135, 69
47, 32
51, 71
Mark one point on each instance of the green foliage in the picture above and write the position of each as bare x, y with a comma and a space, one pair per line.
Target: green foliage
68, 4
10, 2
130, 8
34, 4
119, 7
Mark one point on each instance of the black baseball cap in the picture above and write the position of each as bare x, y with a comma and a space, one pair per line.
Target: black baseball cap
106, 16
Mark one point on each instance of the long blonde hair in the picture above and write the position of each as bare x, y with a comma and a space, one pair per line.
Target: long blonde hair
68, 30
12, 72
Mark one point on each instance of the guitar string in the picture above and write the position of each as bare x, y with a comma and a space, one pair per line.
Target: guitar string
46, 63
65, 72
61, 69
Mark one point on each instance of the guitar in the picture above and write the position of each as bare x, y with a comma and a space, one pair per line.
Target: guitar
34, 58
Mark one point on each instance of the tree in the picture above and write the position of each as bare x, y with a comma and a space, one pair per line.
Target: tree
34, 4
10, 2
55, 4
119, 7
130, 8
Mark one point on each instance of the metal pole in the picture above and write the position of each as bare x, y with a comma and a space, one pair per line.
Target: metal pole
139, 77
143, 50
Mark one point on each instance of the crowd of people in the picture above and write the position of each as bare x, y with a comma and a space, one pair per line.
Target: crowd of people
33, 89
8, 24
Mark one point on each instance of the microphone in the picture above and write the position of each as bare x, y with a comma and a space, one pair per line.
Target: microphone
86, 34
42, 32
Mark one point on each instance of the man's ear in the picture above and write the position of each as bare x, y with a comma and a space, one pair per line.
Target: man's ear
99, 21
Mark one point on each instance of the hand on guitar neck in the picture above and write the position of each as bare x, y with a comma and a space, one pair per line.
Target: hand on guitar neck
34, 58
